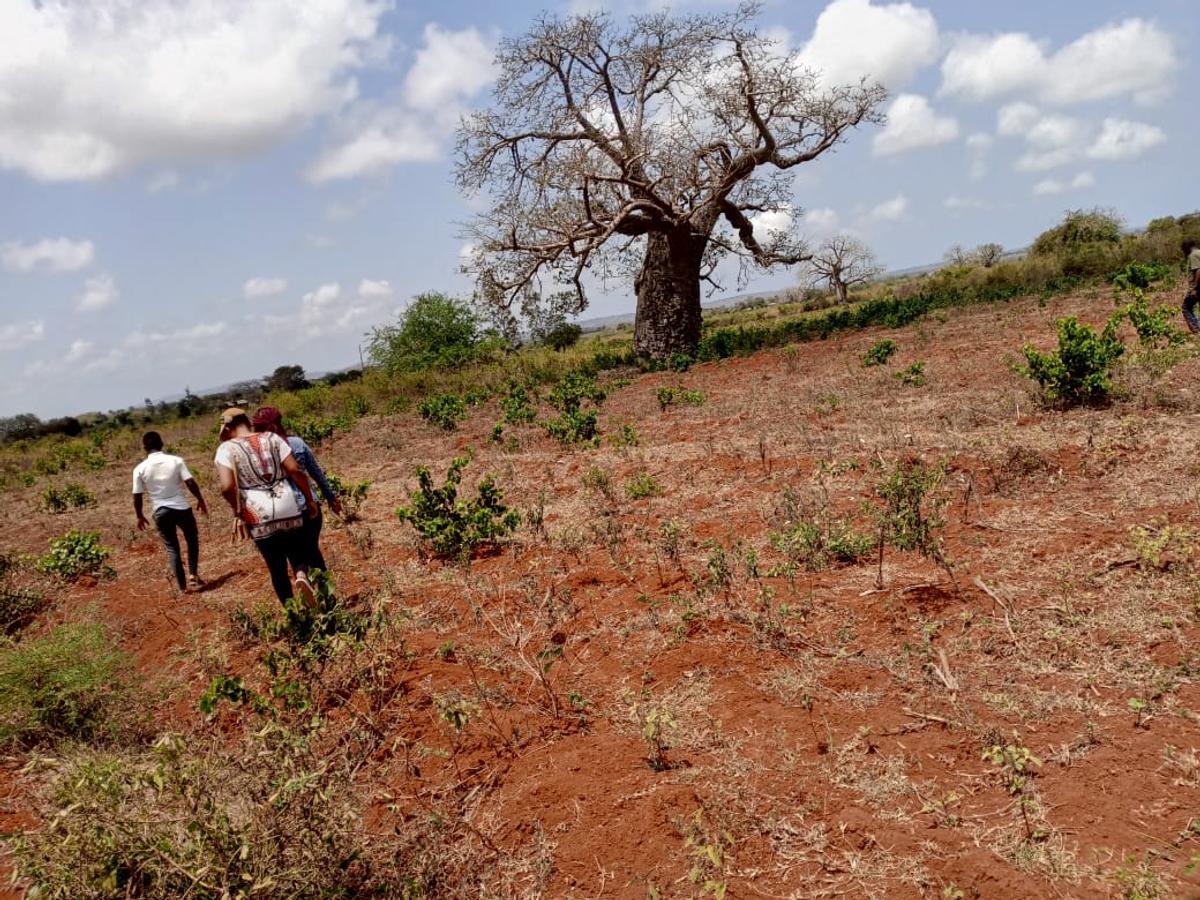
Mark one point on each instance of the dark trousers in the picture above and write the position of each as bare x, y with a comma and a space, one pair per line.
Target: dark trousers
170, 522
312, 542
1189, 310
277, 551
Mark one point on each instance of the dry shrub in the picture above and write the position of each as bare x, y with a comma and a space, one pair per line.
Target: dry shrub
1017, 466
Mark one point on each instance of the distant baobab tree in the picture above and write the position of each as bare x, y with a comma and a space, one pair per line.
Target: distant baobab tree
841, 263
643, 150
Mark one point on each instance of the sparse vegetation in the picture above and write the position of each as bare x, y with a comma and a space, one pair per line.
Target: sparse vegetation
577, 398
452, 527
1079, 372
72, 496
879, 353
75, 554
443, 410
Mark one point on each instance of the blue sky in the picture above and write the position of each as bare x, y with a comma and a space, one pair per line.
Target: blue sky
192, 193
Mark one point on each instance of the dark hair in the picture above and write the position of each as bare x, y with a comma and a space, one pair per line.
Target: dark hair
1188, 245
238, 422
152, 441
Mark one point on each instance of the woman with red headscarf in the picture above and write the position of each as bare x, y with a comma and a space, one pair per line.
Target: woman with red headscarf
268, 418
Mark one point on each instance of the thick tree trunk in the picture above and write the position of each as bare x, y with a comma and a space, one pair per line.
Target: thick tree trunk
839, 288
668, 295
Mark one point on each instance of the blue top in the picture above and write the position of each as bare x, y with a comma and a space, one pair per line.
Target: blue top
307, 461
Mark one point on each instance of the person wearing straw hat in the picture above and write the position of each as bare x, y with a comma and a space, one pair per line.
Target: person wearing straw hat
256, 472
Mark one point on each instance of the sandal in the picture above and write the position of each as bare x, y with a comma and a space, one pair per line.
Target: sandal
303, 590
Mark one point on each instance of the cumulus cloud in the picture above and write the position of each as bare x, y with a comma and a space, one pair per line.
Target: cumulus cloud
374, 289
889, 210
48, 254
911, 125
93, 88
17, 334
78, 351
1050, 186
1133, 58
258, 287
178, 338
823, 220
1120, 139
1014, 119
99, 293
449, 68
1053, 140
887, 42
957, 203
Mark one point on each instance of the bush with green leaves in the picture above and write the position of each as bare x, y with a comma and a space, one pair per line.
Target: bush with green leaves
351, 493
909, 517
443, 410
576, 422
71, 683
879, 353
1155, 327
198, 817
73, 555
435, 330
517, 406
1079, 371
1141, 275
1079, 228
810, 535
73, 496
913, 374
678, 396
19, 605
641, 485
453, 527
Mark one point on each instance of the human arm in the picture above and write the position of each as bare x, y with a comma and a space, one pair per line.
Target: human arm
191, 485
228, 486
141, 516
292, 469
313, 469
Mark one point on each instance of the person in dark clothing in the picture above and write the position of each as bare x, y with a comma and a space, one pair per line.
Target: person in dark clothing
268, 418
164, 477
1192, 254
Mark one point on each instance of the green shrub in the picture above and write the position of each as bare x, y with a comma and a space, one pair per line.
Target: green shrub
910, 515
913, 374
73, 496
517, 406
575, 424
358, 406
195, 817
1155, 327
443, 410
453, 527
312, 430
352, 494
1078, 372
879, 353
643, 484
1141, 275
625, 436
677, 396
436, 330
69, 684
74, 554
809, 534
1079, 228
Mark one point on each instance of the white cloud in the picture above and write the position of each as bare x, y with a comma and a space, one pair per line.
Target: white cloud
772, 222
1134, 58
166, 180
18, 334
911, 125
258, 287
889, 210
1041, 160
99, 292
48, 254
1050, 186
1014, 119
92, 88
1120, 139
78, 350
449, 68
956, 203
178, 338
887, 42
823, 220
980, 68
374, 289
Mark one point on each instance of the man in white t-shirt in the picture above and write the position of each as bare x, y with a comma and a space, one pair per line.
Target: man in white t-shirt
164, 477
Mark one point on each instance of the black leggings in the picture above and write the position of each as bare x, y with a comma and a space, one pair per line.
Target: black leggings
312, 540
277, 551
170, 522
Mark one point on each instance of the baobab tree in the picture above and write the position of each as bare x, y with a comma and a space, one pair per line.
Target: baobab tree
643, 150
840, 263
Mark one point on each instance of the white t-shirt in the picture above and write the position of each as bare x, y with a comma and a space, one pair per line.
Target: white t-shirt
162, 475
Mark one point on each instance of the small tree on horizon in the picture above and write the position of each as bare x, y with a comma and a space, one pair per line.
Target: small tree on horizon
644, 151
287, 378
841, 263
